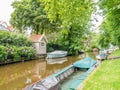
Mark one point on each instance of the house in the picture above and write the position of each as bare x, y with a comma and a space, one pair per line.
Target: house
11, 29
5, 27
39, 42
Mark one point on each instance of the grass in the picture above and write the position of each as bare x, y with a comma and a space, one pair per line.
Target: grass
107, 77
115, 53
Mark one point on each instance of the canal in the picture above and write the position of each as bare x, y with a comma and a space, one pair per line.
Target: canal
18, 75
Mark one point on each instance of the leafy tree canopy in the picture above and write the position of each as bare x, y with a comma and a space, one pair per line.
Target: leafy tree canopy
30, 13
111, 24
74, 16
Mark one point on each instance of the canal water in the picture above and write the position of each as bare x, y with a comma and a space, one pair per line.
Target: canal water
18, 75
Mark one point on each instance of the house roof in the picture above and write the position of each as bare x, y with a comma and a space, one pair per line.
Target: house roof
10, 28
5, 26
37, 38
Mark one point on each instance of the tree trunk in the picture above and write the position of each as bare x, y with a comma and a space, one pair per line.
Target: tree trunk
37, 29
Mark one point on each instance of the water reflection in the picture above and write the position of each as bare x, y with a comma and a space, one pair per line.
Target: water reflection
17, 76
56, 60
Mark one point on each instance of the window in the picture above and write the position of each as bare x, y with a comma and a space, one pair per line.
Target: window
42, 44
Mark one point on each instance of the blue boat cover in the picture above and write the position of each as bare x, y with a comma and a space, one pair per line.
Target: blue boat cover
81, 79
85, 63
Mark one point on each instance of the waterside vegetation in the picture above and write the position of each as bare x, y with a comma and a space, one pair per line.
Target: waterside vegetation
45, 16
14, 47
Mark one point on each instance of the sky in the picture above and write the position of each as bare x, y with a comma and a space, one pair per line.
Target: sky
97, 19
5, 10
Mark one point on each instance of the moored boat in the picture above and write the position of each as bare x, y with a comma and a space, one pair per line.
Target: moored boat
101, 56
68, 78
81, 51
57, 54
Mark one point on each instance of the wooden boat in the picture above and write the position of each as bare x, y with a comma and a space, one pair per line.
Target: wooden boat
57, 54
78, 71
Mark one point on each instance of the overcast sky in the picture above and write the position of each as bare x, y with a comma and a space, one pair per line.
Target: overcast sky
5, 10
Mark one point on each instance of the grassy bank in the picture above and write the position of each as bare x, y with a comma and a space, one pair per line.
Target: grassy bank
107, 77
115, 53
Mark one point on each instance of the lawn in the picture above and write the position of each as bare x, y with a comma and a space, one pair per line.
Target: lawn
115, 53
106, 77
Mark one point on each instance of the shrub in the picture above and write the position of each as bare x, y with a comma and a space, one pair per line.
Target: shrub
8, 38
14, 46
3, 53
27, 52
13, 53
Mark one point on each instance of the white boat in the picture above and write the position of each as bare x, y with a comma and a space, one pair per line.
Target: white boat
103, 51
57, 54
109, 51
101, 56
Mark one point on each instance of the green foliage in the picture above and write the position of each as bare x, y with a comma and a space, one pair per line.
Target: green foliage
104, 40
51, 46
8, 38
74, 16
91, 41
89, 49
30, 13
70, 17
3, 53
111, 24
27, 52
14, 47
13, 53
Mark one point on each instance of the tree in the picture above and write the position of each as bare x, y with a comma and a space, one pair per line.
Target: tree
30, 13
111, 23
74, 16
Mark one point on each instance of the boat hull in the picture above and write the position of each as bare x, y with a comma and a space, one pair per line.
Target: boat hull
57, 54
101, 56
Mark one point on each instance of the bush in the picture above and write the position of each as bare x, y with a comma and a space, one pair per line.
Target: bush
13, 53
3, 53
27, 52
8, 38
14, 46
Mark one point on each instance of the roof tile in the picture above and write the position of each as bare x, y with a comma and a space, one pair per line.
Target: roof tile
35, 38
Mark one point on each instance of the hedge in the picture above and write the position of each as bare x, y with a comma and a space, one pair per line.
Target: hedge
9, 38
15, 46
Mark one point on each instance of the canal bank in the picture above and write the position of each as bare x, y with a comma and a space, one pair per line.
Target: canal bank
106, 76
